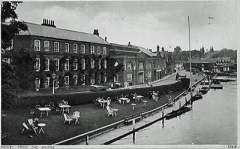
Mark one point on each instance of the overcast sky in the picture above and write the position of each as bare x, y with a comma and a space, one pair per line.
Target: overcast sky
146, 24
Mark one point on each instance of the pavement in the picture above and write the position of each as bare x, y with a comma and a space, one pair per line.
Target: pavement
169, 79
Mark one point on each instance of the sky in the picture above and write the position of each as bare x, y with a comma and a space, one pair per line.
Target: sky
143, 23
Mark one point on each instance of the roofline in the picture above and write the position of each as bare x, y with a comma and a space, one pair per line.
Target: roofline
107, 43
67, 39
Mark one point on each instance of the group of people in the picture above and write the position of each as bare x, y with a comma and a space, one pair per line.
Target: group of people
30, 126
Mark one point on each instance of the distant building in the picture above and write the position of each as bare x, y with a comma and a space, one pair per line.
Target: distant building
140, 65
217, 65
78, 58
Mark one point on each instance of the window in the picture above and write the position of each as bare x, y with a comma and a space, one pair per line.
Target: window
99, 64
83, 79
47, 64
83, 64
66, 66
129, 66
56, 84
149, 66
92, 63
105, 77
67, 47
75, 48
46, 45
75, 64
56, 47
82, 48
140, 66
37, 84
104, 51
56, 63
92, 49
99, 50
116, 78
36, 45
129, 77
66, 80
92, 81
37, 64
149, 75
75, 78
46, 83
105, 64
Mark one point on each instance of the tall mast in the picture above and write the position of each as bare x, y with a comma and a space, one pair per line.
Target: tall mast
190, 57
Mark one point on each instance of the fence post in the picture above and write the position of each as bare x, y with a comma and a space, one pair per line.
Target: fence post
163, 118
87, 138
134, 134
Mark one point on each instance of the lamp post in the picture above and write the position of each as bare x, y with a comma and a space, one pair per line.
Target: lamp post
53, 77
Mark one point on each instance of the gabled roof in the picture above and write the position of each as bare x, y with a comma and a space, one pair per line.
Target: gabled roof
52, 32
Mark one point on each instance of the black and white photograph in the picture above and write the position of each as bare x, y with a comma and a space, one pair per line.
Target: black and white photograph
112, 73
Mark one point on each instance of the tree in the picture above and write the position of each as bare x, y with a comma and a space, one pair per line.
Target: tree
113, 67
9, 23
202, 51
23, 68
177, 49
10, 27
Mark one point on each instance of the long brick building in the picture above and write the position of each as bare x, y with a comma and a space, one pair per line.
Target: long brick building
140, 65
69, 58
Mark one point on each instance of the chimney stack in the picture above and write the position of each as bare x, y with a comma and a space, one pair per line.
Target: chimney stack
105, 38
157, 48
129, 43
95, 32
47, 22
162, 49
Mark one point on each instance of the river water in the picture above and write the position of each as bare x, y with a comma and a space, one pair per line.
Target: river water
213, 120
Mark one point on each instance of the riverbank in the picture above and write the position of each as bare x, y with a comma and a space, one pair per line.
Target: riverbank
92, 117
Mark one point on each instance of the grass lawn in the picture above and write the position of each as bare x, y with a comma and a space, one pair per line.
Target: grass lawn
92, 117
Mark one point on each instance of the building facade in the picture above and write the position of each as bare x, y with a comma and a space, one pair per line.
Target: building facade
64, 58
140, 65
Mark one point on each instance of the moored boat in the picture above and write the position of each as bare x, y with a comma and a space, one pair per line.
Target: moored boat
203, 89
196, 97
177, 112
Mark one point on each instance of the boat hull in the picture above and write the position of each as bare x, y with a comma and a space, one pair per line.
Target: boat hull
178, 112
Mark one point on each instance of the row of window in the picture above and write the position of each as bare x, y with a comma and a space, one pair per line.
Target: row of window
66, 81
76, 48
130, 76
140, 66
37, 64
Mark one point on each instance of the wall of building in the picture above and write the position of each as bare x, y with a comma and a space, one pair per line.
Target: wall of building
44, 78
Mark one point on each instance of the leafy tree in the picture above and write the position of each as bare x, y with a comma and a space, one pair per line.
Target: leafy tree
177, 49
10, 26
23, 68
9, 23
112, 68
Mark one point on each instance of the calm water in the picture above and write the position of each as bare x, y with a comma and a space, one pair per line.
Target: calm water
213, 120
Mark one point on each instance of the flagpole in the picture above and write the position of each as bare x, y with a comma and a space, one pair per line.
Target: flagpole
190, 57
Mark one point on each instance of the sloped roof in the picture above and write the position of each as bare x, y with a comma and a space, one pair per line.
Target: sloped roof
135, 48
52, 32
148, 52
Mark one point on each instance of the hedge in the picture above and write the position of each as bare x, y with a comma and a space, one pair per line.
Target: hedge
88, 97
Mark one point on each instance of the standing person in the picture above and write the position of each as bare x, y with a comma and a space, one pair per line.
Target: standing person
177, 76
